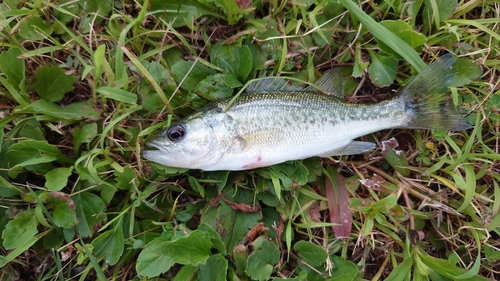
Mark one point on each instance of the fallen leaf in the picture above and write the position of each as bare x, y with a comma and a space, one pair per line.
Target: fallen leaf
3, 106
279, 229
314, 213
338, 205
244, 207
216, 200
256, 231
244, 4
64, 197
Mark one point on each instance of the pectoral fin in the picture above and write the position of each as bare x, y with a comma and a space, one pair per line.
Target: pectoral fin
262, 136
354, 147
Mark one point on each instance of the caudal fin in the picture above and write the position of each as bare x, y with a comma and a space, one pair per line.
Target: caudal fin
426, 101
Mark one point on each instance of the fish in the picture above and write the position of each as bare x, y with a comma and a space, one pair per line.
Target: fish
274, 122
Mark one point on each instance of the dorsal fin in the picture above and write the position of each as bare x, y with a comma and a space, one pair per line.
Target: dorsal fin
272, 84
331, 83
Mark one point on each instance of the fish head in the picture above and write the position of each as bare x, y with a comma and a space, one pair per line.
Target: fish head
197, 142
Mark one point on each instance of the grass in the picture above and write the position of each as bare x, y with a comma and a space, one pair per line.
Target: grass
84, 84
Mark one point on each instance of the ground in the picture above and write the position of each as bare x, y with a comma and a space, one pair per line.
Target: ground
85, 84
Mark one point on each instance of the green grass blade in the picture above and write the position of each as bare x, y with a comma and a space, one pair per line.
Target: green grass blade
93, 261
478, 25
384, 35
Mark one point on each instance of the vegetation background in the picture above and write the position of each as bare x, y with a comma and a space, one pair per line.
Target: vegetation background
85, 83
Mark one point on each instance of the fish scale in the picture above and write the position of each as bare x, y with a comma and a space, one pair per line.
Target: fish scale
274, 122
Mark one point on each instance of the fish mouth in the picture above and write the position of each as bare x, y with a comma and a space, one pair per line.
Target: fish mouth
153, 144
156, 151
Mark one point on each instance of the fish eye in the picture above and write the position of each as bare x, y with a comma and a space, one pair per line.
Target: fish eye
176, 133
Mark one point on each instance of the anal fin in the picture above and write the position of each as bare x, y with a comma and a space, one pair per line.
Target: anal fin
354, 147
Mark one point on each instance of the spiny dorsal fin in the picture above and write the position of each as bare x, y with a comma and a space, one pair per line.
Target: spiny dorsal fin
271, 84
331, 83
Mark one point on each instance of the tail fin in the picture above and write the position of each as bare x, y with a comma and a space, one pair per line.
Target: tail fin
426, 102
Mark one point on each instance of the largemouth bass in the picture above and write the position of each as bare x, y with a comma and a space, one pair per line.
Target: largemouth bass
273, 122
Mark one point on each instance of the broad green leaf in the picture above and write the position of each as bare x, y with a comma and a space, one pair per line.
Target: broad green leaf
359, 65
64, 214
189, 73
19, 96
34, 28
150, 99
403, 31
53, 240
26, 150
57, 178
12, 66
187, 272
271, 49
419, 268
125, 178
33, 155
262, 261
231, 225
39, 165
160, 74
445, 268
310, 253
24, 246
215, 269
74, 111
90, 211
52, 83
151, 262
20, 230
117, 94
214, 238
437, 11
271, 217
239, 258
236, 61
468, 185
110, 244
188, 213
83, 135
193, 249
401, 271
7, 189
177, 12
66, 11
382, 69
491, 254
389, 38
467, 71
193, 182
257, 58
232, 10
217, 86
385, 204
99, 60
30, 129
100, 7
344, 270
